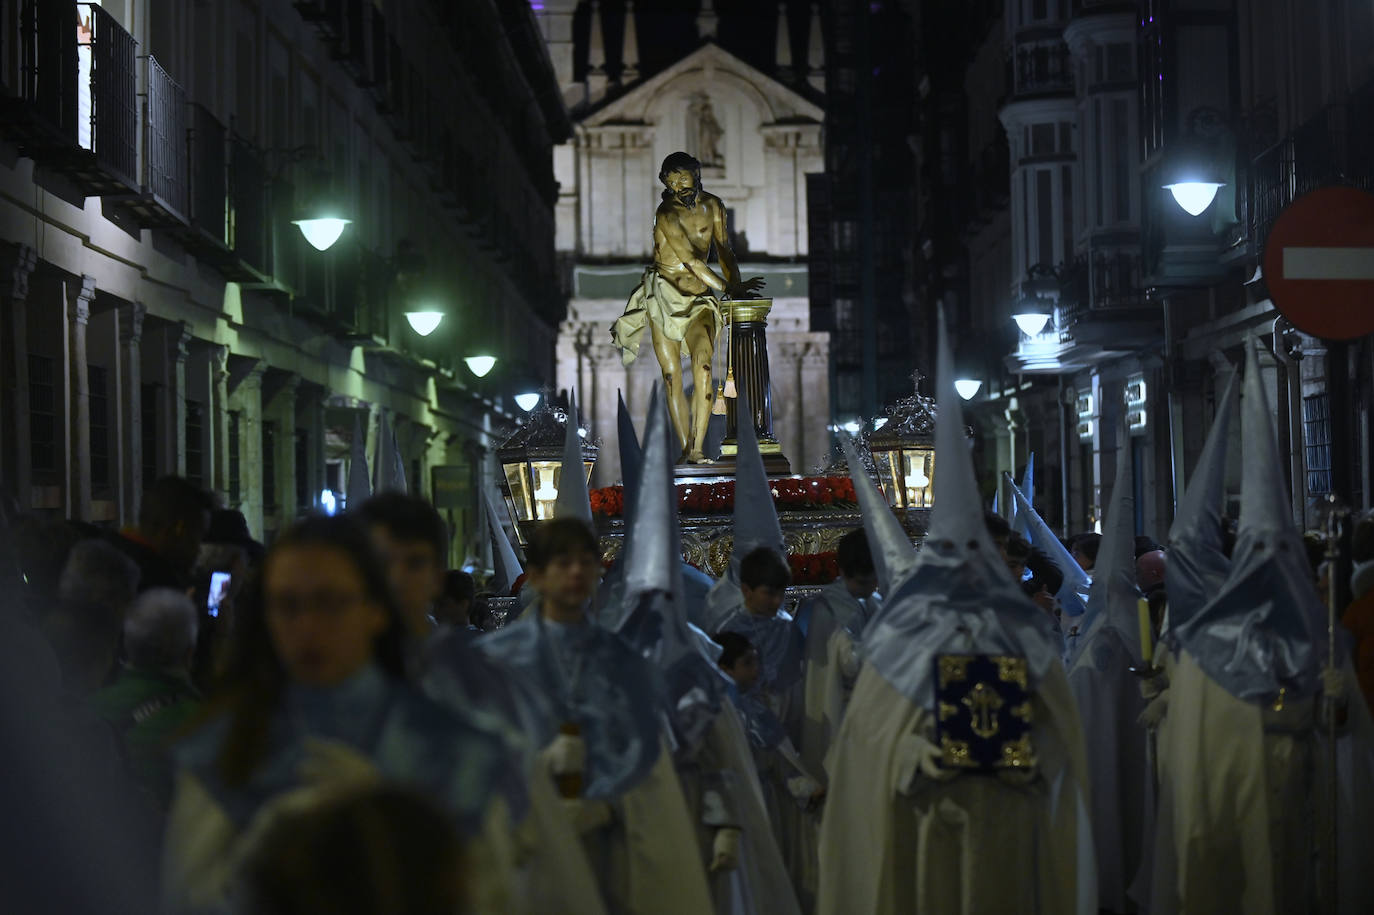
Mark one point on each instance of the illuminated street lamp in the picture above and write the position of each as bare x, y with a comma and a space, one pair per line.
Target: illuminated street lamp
532, 465
1194, 196
968, 388
480, 365
424, 322
527, 401
322, 231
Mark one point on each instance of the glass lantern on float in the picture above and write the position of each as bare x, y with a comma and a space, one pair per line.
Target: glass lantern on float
903, 448
531, 466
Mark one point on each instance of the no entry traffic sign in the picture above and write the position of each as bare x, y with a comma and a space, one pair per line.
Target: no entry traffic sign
1319, 263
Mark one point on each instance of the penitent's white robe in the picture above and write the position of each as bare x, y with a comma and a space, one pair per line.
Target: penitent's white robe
1109, 707
1234, 831
832, 617
973, 844
760, 884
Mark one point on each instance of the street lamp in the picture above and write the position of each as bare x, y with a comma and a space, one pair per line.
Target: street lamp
1194, 196
1032, 319
527, 401
480, 365
968, 388
532, 466
425, 321
322, 231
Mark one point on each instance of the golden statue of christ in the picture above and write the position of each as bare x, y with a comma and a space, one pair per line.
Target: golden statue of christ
679, 297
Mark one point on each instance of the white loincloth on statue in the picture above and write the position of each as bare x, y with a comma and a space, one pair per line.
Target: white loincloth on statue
657, 300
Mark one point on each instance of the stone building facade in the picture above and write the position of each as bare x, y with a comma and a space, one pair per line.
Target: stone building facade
160, 314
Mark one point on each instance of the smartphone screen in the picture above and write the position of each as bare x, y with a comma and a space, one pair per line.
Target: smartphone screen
219, 587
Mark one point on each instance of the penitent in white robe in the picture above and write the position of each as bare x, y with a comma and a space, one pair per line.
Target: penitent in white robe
1109, 707
1235, 830
834, 621
760, 883
973, 844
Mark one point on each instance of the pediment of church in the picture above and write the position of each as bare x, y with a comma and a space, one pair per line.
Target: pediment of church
709, 72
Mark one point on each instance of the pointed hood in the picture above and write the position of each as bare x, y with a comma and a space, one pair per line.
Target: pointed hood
359, 480
1019, 523
1263, 631
630, 454
756, 517
958, 597
1112, 600
653, 619
504, 562
997, 500
893, 555
388, 468
1198, 565
573, 500
1073, 593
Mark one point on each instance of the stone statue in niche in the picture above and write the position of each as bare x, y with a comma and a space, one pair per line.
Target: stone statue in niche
704, 132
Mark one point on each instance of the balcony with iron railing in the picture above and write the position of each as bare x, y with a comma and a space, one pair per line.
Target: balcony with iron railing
163, 199
75, 111
1041, 66
1100, 286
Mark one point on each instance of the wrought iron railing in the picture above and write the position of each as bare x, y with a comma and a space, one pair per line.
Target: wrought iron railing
48, 69
1042, 66
1098, 282
165, 148
114, 99
206, 142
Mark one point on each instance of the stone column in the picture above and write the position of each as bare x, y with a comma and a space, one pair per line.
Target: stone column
248, 392
16, 266
129, 438
178, 347
749, 346
79, 295
217, 473
280, 405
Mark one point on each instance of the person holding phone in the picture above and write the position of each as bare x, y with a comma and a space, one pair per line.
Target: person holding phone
316, 701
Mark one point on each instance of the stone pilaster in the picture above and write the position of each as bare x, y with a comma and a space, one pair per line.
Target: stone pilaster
247, 399
279, 405
178, 347
217, 473
16, 474
129, 438
79, 294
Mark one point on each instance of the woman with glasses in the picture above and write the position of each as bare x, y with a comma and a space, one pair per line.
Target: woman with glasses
313, 702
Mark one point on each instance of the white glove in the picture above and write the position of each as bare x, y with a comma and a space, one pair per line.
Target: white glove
1154, 712
920, 758
585, 815
725, 850
1150, 687
1335, 684
567, 755
849, 658
332, 763
804, 788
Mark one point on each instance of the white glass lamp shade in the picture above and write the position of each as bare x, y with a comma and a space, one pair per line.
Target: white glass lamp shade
853, 427
322, 233
1194, 196
480, 365
1031, 323
527, 401
968, 388
424, 322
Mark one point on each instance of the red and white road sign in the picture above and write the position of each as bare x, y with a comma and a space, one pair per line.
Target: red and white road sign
1319, 263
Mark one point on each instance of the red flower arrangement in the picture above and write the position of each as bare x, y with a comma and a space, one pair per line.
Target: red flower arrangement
814, 568
719, 498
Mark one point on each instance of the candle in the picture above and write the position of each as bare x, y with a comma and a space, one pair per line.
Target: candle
1147, 652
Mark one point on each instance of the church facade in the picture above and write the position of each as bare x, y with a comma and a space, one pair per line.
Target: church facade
757, 138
